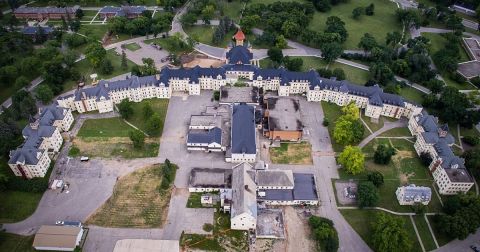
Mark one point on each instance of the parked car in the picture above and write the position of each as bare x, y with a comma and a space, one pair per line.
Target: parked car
84, 159
69, 223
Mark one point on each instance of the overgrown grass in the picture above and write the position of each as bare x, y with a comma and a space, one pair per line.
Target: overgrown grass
223, 238
137, 201
159, 106
204, 34
292, 153
194, 200
16, 243
332, 112
412, 95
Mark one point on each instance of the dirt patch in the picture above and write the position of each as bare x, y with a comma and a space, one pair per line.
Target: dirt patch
269, 245
292, 153
298, 232
136, 201
396, 160
200, 60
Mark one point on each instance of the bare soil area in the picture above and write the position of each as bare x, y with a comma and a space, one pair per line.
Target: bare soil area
298, 232
203, 62
136, 201
292, 153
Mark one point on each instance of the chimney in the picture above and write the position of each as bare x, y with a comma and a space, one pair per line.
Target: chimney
106, 84
84, 96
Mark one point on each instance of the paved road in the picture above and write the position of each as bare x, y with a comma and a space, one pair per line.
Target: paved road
386, 126
325, 169
458, 245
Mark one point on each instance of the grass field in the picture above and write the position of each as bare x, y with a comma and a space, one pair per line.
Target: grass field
378, 25
292, 153
137, 201
411, 94
93, 31
167, 44
424, 233
223, 238
16, 206
159, 106
107, 127
332, 113
86, 69
204, 34
361, 221
132, 46
372, 125
397, 132
16, 243
232, 9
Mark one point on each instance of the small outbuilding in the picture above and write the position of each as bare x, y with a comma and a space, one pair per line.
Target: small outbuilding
58, 238
411, 194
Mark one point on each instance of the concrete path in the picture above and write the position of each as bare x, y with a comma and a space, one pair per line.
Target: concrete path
416, 233
386, 126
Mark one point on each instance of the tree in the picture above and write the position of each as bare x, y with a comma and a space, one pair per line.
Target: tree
44, 93
95, 53
331, 51
324, 233
342, 133
435, 85
376, 178
336, 25
351, 111
472, 161
381, 73
137, 138
281, 42
291, 29
462, 219
357, 12
75, 25
338, 73
106, 66
352, 159
23, 105
370, 10
207, 13
393, 38
367, 194
322, 5
454, 22
69, 58
383, 154
125, 108
248, 22
154, 124
124, 64
188, 19
79, 13
389, 234
147, 110
294, 64
367, 42
275, 54
21, 82
10, 134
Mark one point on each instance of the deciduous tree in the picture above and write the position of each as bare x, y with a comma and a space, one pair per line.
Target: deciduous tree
389, 234
137, 138
352, 159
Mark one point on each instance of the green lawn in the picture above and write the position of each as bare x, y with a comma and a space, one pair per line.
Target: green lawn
86, 69
107, 127
397, 132
16, 243
379, 25
332, 113
167, 44
361, 221
232, 9
352, 74
132, 46
204, 34
16, 206
93, 31
412, 95
159, 106
372, 125
424, 233
292, 153
194, 200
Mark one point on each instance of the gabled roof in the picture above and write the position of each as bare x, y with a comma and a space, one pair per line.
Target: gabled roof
57, 237
244, 197
422, 192
41, 131
243, 129
213, 135
277, 178
46, 10
239, 55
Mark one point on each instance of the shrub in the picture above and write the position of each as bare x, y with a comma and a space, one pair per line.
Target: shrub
325, 122
367, 194
35, 185
471, 140
74, 151
383, 154
376, 178
324, 233
207, 227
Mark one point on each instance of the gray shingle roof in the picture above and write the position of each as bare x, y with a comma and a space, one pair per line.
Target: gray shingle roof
304, 189
46, 10
244, 197
243, 129
25, 155
213, 135
239, 55
124, 10
274, 178
33, 30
